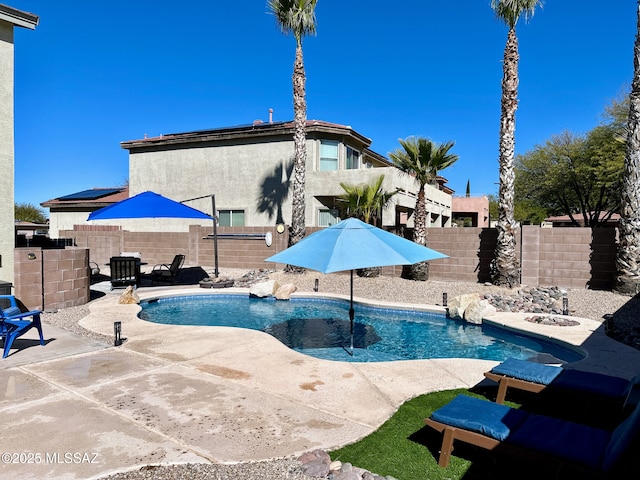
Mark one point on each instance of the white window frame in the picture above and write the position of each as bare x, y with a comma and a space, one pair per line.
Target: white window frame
324, 161
231, 214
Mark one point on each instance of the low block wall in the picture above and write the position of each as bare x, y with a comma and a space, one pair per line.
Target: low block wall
567, 257
52, 278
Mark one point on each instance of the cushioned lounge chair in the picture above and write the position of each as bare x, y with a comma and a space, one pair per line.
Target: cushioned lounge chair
545, 439
536, 377
16, 321
167, 273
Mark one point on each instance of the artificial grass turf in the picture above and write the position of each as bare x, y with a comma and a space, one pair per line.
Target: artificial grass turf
404, 448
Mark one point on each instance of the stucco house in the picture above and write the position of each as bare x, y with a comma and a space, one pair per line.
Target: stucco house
9, 19
248, 169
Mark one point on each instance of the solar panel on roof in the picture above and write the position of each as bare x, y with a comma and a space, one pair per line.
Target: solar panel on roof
92, 194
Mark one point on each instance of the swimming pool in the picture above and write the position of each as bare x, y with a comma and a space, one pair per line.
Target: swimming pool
320, 328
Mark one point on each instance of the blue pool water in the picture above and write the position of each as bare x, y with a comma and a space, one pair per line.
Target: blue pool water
320, 328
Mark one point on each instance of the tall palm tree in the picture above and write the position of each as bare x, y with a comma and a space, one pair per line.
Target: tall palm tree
422, 159
365, 201
628, 260
297, 17
505, 268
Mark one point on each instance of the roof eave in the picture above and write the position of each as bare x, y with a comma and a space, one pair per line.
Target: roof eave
18, 18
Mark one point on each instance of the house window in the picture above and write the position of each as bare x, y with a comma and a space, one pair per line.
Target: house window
327, 217
328, 155
353, 159
231, 218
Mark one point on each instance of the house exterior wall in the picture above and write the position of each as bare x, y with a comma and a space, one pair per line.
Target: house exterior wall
243, 174
475, 207
7, 230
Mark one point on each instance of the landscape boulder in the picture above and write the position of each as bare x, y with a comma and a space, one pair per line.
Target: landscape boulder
285, 291
477, 310
458, 304
129, 296
263, 289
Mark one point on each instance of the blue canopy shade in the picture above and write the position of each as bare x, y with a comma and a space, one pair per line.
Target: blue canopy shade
352, 244
148, 205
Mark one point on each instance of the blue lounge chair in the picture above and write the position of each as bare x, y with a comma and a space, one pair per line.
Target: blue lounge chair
536, 377
15, 322
557, 442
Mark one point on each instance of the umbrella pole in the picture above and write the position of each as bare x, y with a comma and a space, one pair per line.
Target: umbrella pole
351, 314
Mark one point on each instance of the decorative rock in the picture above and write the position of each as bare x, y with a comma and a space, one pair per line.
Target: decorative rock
557, 321
285, 291
347, 476
129, 296
263, 289
315, 463
477, 310
335, 465
458, 304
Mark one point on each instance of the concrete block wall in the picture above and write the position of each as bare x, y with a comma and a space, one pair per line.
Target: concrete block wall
575, 257
568, 257
52, 278
470, 253
196, 245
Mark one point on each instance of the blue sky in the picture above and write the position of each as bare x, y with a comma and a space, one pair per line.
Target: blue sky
96, 73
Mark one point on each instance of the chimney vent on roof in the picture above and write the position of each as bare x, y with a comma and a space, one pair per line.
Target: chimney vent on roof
271, 115
257, 122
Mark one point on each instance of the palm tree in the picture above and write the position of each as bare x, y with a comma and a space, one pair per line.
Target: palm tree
505, 268
627, 261
422, 159
297, 17
365, 201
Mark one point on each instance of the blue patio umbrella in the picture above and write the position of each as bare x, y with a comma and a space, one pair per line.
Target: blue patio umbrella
352, 244
148, 205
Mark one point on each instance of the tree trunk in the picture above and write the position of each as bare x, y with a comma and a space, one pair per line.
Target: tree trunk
420, 271
298, 227
627, 261
505, 268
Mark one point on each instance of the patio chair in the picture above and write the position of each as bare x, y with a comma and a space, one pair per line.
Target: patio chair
125, 271
15, 321
167, 272
536, 377
548, 440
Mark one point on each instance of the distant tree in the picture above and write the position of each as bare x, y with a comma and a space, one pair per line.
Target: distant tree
297, 17
572, 175
505, 268
27, 212
628, 261
468, 192
422, 159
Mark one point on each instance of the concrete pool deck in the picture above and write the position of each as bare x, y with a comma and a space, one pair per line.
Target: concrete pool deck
78, 409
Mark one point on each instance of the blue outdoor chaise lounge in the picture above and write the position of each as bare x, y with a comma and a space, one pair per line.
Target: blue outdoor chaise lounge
551, 441
536, 377
16, 321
